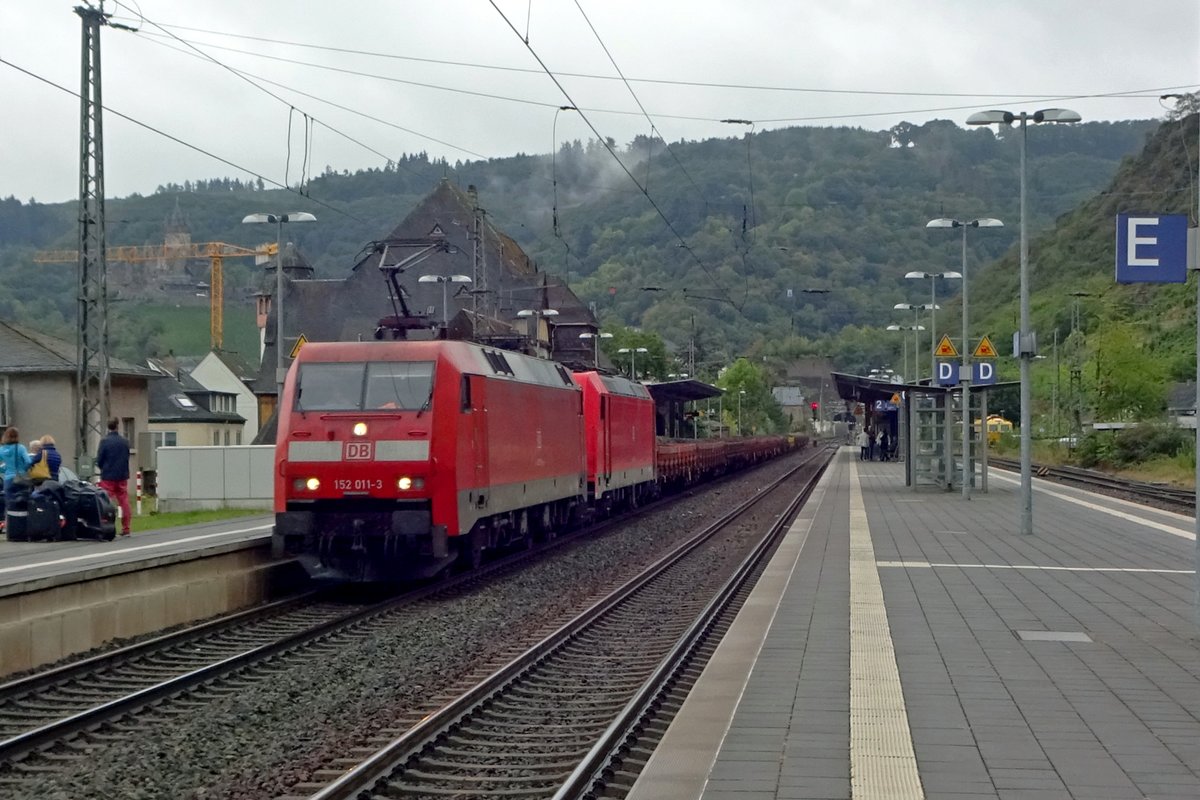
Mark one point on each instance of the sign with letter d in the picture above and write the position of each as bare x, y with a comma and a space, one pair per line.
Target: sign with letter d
983, 373
947, 373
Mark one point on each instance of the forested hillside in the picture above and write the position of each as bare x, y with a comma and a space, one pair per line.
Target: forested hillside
724, 229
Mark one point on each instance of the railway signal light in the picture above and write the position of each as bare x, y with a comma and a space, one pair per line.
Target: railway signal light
815, 406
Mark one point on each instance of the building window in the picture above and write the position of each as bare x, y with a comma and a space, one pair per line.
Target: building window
216, 438
227, 438
127, 428
238, 436
163, 438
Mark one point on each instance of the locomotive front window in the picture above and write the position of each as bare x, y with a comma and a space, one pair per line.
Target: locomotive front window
357, 386
330, 387
407, 385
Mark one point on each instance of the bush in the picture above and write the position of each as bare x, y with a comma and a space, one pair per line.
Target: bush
1119, 449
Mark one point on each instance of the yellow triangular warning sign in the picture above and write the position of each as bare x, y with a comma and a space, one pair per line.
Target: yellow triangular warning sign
296, 347
985, 349
945, 348
896, 398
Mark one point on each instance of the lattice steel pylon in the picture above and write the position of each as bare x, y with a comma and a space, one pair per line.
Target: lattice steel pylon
92, 381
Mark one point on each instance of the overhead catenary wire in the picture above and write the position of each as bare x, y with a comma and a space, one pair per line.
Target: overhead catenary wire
1009, 96
642, 108
1014, 98
182, 142
607, 146
242, 76
340, 107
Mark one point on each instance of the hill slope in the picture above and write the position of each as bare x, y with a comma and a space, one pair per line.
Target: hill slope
833, 208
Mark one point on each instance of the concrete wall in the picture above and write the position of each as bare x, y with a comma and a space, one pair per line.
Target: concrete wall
191, 478
41, 626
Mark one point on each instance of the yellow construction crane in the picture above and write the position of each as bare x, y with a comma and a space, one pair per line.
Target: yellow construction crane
216, 252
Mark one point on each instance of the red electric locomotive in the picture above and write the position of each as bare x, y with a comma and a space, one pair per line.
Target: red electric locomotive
619, 424
395, 458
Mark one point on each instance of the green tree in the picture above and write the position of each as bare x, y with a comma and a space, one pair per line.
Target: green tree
1129, 385
746, 386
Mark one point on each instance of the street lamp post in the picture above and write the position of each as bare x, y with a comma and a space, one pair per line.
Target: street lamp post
965, 372
596, 337
933, 308
1196, 549
916, 308
537, 315
633, 351
277, 220
741, 394
904, 345
1026, 346
445, 281
721, 415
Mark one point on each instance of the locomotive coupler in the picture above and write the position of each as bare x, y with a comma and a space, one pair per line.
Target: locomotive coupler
356, 541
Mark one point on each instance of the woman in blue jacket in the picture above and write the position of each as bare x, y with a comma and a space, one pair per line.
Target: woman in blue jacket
16, 459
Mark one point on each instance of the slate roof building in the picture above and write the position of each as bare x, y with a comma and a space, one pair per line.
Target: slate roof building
183, 412
37, 391
350, 308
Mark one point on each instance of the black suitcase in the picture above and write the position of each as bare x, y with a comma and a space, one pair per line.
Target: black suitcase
14, 526
44, 518
15, 514
88, 511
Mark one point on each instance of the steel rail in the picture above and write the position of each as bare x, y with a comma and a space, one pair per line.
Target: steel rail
71, 725
388, 759
591, 774
1095, 479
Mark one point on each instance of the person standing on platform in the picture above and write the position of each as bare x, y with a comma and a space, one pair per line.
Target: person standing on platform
16, 460
113, 462
884, 445
864, 441
53, 457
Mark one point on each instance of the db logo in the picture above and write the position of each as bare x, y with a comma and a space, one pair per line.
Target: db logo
358, 451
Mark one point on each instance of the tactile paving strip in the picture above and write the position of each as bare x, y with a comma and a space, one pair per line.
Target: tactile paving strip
882, 762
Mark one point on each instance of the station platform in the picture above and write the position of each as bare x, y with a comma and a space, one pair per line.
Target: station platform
911, 644
31, 566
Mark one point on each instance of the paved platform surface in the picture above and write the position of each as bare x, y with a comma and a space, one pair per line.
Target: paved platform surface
28, 565
908, 644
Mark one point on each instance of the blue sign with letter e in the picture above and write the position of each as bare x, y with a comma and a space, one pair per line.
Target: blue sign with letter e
1152, 248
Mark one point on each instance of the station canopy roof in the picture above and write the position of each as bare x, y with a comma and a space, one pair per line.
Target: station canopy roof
682, 391
865, 389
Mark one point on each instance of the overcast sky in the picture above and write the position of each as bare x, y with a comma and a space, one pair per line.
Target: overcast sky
690, 64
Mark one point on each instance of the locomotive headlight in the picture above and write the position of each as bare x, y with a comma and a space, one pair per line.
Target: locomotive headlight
405, 483
313, 484
360, 429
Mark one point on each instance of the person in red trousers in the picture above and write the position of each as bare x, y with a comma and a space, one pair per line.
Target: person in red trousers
113, 462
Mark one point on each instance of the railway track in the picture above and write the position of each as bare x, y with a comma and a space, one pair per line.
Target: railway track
578, 713
1138, 491
57, 716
